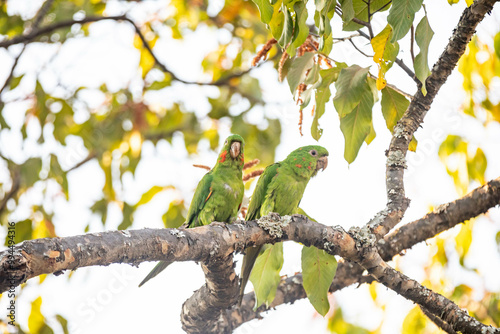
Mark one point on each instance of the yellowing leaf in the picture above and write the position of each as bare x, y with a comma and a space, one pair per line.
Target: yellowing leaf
463, 240
385, 54
318, 271
265, 275
379, 43
414, 322
393, 106
36, 320
146, 61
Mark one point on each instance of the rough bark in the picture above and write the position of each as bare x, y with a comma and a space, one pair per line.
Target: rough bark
397, 203
444, 217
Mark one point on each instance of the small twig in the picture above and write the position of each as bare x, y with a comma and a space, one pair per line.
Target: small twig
369, 18
381, 8
16, 184
408, 71
343, 39
36, 22
359, 50
398, 61
13, 68
409, 96
91, 156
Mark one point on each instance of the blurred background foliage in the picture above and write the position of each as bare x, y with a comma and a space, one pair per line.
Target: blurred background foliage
58, 117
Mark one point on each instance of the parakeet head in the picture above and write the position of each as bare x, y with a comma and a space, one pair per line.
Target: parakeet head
307, 160
232, 151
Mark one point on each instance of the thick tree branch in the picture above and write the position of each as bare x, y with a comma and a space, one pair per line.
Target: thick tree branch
438, 322
397, 203
435, 303
35, 257
444, 217
204, 311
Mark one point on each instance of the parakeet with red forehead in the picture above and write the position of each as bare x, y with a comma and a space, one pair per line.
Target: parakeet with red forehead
279, 189
218, 195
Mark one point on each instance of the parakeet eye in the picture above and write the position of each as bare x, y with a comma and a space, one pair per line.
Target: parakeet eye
225, 142
313, 153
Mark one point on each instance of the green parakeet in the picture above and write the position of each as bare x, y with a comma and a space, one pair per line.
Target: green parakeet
218, 195
280, 189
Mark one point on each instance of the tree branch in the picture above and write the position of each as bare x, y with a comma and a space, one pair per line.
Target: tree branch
444, 217
30, 36
397, 203
36, 22
35, 257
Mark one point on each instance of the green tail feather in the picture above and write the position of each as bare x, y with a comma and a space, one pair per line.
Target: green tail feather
156, 270
248, 261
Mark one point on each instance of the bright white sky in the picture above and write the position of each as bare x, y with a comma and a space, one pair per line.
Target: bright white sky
106, 299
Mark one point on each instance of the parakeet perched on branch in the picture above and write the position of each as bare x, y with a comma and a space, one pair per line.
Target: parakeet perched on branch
218, 195
279, 189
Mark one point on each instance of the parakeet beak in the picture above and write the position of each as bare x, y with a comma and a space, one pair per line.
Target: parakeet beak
322, 163
235, 149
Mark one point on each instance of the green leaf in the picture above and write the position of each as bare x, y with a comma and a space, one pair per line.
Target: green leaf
36, 320
360, 8
350, 85
58, 174
496, 43
148, 195
30, 171
415, 322
265, 9
298, 69
265, 275
393, 106
423, 36
347, 10
128, 219
323, 94
15, 82
337, 324
497, 239
23, 230
356, 126
401, 16
63, 322
101, 207
318, 271
277, 20
175, 215
301, 30
286, 35
371, 135
463, 240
